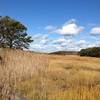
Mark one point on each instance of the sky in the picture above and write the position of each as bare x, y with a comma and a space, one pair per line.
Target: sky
57, 25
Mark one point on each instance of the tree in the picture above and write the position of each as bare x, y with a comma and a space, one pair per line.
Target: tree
93, 52
13, 34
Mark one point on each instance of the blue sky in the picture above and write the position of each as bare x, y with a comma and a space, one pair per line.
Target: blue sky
57, 24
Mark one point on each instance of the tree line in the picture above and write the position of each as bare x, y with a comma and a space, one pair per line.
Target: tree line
92, 52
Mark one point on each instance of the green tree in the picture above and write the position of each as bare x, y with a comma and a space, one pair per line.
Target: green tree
93, 52
13, 34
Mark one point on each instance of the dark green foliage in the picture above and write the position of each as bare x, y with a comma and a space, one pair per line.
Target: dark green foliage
93, 52
13, 34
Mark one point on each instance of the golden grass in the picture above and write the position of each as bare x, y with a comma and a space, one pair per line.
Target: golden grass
74, 78
17, 66
49, 77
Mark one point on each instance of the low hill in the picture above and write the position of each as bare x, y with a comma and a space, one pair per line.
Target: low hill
65, 52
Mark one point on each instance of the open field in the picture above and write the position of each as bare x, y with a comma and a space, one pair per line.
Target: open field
48, 77
75, 78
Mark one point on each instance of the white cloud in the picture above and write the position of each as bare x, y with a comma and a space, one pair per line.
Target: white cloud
81, 42
65, 41
43, 43
69, 44
70, 21
40, 42
69, 28
50, 27
95, 31
59, 41
73, 45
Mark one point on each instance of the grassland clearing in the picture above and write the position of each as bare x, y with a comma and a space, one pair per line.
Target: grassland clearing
51, 77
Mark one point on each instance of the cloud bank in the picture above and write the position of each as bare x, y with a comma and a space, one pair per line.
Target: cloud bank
69, 28
71, 37
45, 44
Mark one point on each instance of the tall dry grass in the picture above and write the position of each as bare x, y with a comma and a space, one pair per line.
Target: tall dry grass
30, 76
74, 78
17, 66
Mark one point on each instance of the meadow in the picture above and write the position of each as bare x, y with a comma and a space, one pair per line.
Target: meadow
31, 76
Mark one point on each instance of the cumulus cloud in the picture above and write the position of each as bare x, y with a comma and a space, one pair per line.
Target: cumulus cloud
65, 41
69, 44
95, 31
68, 29
72, 45
81, 42
43, 43
59, 41
40, 42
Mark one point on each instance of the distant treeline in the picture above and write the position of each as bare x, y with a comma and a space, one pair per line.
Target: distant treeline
92, 52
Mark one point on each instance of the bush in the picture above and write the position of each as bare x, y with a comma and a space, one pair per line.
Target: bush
92, 52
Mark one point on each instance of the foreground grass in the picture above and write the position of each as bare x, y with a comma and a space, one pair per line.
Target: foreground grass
52, 77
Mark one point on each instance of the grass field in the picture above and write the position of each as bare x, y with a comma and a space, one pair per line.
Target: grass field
48, 77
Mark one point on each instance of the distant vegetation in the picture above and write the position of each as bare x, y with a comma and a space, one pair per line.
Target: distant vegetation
65, 53
92, 52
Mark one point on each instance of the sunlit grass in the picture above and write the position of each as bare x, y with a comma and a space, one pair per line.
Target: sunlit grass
50, 77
